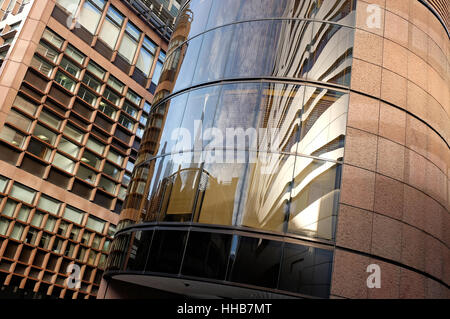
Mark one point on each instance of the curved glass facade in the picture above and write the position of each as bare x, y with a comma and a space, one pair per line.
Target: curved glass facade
247, 130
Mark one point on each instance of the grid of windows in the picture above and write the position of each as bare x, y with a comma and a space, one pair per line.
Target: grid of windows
44, 226
52, 129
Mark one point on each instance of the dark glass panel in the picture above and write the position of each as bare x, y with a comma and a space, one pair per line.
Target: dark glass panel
140, 248
166, 251
306, 270
257, 262
206, 255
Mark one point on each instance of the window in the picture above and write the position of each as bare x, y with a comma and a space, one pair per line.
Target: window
22, 193
73, 133
108, 242
107, 185
111, 170
131, 110
86, 237
111, 27
87, 96
111, 96
45, 241
75, 54
73, 214
133, 97
31, 236
70, 67
115, 84
96, 70
130, 166
39, 149
147, 107
62, 228
12, 136
95, 224
146, 56
143, 120
126, 122
91, 257
70, 248
63, 163
3, 184
158, 67
65, 81
10, 208
95, 146
49, 204
90, 14
51, 37
129, 43
19, 121
126, 179
48, 52
115, 157
25, 105
4, 224
23, 213
97, 239
111, 232
49, 119
140, 132
17, 231
90, 159
37, 219
122, 193
74, 232
41, 65
86, 174
69, 147
44, 134
91, 82
107, 109
50, 224
70, 5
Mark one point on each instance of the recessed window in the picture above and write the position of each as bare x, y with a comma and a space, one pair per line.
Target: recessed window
63, 163
74, 233
23, 213
95, 146
70, 67
57, 245
49, 204
65, 81
90, 159
39, 149
146, 56
115, 84
111, 170
143, 120
97, 240
115, 157
147, 107
96, 70
10, 208
131, 110
75, 54
126, 179
122, 192
107, 109
31, 236
107, 243
4, 224
158, 67
68, 147
47, 51
133, 97
73, 133
87, 96
86, 237
23, 193
44, 241
140, 132
12, 136
126, 122
19, 120
25, 105
107, 185
130, 166
44, 134
73, 214
62, 228
50, 119
91, 82
17, 231
42, 66
111, 96
3, 183
95, 224
37, 219
51, 37
50, 224
86, 174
